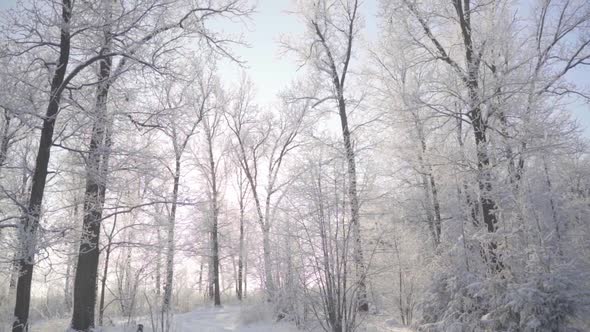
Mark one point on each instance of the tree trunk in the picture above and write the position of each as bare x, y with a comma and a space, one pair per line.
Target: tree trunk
103, 281
553, 208
488, 205
96, 180
200, 282
241, 250
429, 184
215, 218
245, 290
88, 258
269, 281
168, 286
436, 203
159, 260
216, 290
363, 304
210, 277
479, 125
5, 141
338, 85
30, 222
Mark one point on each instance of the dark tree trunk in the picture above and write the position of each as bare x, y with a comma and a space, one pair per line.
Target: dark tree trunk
215, 249
436, 202
241, 251
479, 125
168, 286
210, 277
215, 219
159, 262
97, 169
5, 143
488, 205
103, 280
30, 221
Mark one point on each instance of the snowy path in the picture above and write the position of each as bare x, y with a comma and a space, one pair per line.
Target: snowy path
224, 319
228, 318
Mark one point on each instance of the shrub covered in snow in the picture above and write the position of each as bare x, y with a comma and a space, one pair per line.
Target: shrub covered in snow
543, 301
256, 312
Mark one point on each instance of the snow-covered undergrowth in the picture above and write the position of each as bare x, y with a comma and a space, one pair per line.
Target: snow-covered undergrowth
542, 302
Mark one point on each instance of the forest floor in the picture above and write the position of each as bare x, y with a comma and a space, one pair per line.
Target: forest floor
228, 318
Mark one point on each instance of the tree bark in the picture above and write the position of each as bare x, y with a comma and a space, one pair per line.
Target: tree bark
5, 141
241, 248
159, 263
30, 221
96, 180
168, 286
363, 304
215, 216
71, 265
479, 125
429, 185
553, 207
103, 281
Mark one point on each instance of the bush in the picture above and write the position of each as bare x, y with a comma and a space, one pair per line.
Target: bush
543, 301
256, 312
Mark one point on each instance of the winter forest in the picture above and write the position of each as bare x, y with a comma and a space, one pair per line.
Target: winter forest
425, 166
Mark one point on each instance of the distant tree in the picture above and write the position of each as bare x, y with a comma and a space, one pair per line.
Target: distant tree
261, 145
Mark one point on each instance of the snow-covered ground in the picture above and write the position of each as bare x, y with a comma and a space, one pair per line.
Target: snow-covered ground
228, 318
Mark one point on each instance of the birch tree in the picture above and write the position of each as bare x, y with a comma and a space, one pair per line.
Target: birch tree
173, 100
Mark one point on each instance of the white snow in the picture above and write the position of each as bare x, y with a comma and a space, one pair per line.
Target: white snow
208, 319
228, 318
247, 318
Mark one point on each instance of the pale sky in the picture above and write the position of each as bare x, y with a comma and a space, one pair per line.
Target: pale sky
272, 71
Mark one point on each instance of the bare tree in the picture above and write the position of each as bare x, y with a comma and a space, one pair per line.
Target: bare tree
333, 27
261, 144
470, 76
196, 97
85, 297
327, 238
399, 84
242, 190
211, 169
30, 221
